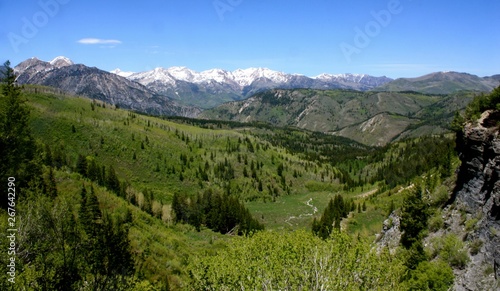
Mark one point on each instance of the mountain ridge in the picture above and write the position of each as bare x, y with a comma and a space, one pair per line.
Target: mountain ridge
372, 118
223, 86
214, 87
443, 83
78, 79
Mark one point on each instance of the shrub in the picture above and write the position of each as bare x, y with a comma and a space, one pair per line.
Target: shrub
471, 224
452, 250
431, 276
296, 261
478, 105
439, 196
436, 222
475, 246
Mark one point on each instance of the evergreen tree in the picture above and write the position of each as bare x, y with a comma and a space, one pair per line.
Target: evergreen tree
81, 165
333, 214
84, 216
94, 171
179, 208
414, 215
112, 182
50, 184
17, 145
48, 159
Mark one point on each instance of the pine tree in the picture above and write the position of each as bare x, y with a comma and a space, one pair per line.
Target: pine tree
112, 182
83, 213
50, 184
93, 171
17, 145
414, 215
179, 208
92, 207
81, 165
48, 159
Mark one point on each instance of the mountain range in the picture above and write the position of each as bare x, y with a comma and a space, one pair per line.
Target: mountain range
205, 89
213, 87
370, 110
78, 79
443, 83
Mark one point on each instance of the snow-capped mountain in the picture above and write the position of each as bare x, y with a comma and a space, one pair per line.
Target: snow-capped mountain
121, 73
94, 83
61, 61
213, 87
239, 77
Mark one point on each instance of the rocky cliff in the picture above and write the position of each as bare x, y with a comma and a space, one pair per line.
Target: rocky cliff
472, 214
477, 199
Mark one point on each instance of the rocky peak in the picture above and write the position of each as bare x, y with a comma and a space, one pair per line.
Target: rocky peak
61, 61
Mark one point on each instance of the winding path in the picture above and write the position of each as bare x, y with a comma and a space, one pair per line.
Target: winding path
308, 203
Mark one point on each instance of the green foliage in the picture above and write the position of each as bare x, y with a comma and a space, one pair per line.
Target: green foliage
330, 220
450, 249
18, 151
436, 276
64, 251
296, 261
475, 246
284, 169
414, 215
439, 196
436, 222
477, 106
220, 212
414, 158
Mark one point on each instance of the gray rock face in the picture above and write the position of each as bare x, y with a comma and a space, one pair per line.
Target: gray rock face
391, 233
473, 212
477, 193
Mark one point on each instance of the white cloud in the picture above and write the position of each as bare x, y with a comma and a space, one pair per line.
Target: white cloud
99, 41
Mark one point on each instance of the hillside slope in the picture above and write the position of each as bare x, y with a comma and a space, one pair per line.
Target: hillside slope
373, 118
442, 83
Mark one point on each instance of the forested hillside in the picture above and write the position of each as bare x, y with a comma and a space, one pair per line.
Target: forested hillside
371, 118
109, 199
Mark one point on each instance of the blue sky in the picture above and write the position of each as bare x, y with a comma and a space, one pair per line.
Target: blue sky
396, 38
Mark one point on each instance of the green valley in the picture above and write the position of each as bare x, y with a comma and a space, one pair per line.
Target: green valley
115, 199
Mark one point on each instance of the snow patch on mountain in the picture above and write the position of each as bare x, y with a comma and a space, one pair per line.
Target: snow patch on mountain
240, 77
61, 61
119, 72
156, 75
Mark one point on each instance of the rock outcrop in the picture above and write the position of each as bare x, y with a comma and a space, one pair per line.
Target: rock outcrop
477, 197
473, 210
390, 235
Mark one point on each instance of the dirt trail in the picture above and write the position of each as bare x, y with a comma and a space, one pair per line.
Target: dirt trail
367, 194
308, 203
